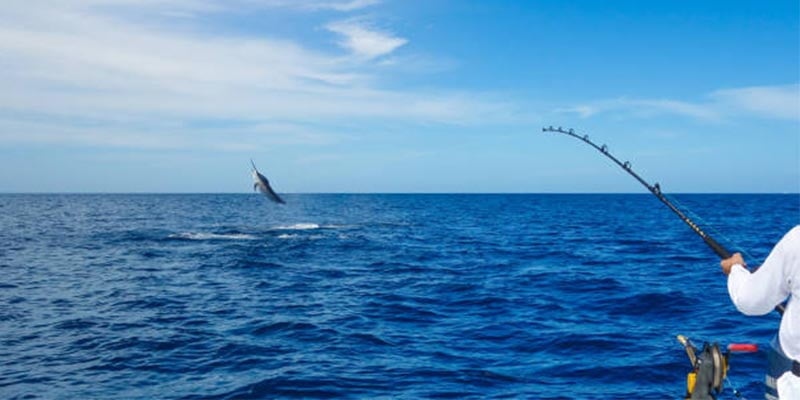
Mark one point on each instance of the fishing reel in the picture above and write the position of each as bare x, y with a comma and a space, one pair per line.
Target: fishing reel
710, 368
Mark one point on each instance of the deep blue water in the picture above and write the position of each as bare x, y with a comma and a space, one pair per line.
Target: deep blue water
370, 296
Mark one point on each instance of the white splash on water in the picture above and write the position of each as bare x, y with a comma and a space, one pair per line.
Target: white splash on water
298, 227
212, 236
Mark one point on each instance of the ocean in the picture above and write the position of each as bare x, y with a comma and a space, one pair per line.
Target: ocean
228, 296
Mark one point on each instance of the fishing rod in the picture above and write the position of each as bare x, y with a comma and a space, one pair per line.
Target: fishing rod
655, 189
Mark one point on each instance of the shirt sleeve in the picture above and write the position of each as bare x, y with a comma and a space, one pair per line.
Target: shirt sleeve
758, 293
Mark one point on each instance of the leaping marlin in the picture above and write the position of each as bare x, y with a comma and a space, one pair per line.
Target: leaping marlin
262, 184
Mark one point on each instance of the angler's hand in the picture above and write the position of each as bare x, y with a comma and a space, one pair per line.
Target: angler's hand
728, 263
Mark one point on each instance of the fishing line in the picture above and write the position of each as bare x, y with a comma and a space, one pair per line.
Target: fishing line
655, 189
710, 226
735, 391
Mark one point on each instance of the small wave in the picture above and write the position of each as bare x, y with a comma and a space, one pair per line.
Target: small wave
304, 226
371, 339
211, 236
297, 227
594, 342
668, 305
75, 324
296, 236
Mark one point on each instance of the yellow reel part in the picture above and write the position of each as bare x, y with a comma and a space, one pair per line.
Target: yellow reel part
691, 379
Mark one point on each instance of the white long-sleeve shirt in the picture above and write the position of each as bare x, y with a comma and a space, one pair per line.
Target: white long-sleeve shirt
759, 292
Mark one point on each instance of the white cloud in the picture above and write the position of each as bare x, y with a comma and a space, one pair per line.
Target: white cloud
641, 108
345, 5
165, 136
646, 107
194, 7
364, 41
771, 102
584, 110
314, 5
89, 61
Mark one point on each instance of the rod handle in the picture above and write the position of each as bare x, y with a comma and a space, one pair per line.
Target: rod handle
722, 252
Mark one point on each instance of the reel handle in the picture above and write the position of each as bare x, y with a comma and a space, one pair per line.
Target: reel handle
743, 348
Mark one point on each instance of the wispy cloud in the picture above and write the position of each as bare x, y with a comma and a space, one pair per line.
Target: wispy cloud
345, 5
642, 108
364, 41
769, 101
314, 5
773, 102
164, 136
193, 7
89, 60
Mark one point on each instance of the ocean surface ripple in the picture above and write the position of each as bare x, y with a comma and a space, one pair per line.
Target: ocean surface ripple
215, 296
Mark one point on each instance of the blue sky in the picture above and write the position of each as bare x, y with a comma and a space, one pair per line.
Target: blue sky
398, 96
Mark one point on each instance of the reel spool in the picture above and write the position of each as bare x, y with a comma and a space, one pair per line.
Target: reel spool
708, 370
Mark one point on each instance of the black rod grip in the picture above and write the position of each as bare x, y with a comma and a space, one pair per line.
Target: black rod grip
722, 252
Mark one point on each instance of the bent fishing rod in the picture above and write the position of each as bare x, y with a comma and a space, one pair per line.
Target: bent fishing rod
655, 189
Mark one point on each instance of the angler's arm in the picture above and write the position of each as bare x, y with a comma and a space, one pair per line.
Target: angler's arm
757, 293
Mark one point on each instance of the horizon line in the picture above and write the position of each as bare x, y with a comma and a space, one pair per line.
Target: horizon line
399, 193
